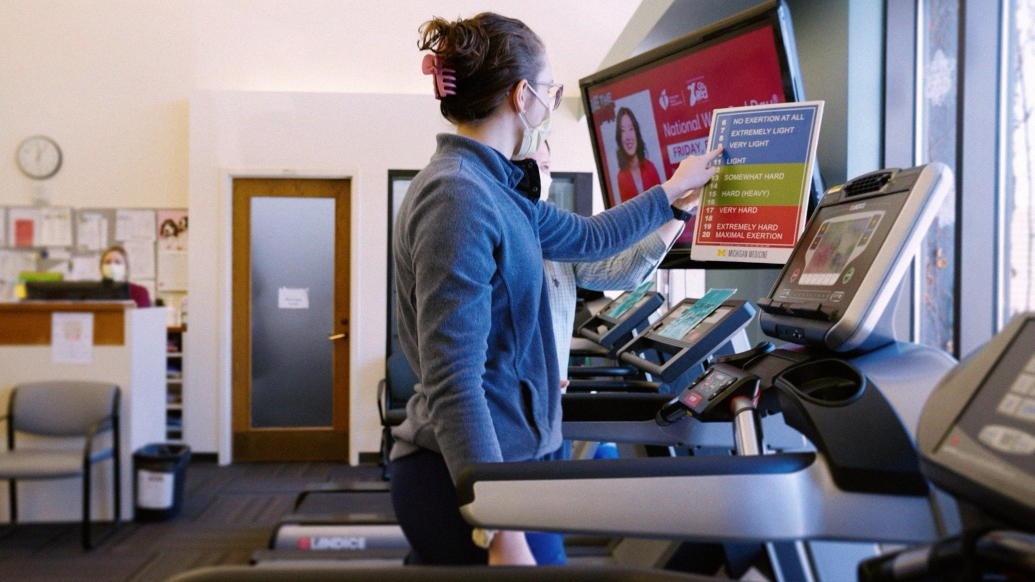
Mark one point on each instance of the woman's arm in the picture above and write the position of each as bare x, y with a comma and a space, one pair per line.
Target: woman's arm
570, 238
453, 231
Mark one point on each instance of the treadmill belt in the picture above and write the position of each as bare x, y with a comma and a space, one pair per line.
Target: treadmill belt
347, 503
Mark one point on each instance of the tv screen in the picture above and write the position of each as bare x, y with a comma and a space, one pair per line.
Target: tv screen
657, 107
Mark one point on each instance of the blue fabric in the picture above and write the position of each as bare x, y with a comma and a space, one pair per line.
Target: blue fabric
606, 451
474, 320
548, 548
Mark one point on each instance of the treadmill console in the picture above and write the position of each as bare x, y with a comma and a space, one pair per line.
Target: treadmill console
847, 266
616, 323
977, 431
708, 398
678, 355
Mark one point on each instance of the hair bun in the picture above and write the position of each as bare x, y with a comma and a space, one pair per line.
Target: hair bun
488, 54
462, 45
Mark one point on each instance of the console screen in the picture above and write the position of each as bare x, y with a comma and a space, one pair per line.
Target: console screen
843, 241
1000, 419
700, 330
838, 242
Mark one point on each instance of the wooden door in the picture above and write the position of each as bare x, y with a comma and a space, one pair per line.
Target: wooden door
291, 248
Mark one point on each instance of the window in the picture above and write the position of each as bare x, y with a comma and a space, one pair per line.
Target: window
1018, 200
937, 36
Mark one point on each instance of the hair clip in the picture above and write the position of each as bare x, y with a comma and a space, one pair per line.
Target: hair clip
444, 79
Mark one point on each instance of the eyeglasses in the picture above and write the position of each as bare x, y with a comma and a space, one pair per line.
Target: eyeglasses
554, 94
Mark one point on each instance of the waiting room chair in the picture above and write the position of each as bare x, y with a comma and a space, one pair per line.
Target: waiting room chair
62, 409
393, 392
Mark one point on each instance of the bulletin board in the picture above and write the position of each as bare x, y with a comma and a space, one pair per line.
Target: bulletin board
70, 241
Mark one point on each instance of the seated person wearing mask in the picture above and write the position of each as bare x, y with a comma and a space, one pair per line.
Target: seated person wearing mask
115, 267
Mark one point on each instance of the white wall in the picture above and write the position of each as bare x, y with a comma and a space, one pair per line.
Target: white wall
135, 91
306, 134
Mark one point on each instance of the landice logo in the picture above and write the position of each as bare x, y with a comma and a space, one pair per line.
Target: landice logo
698, 91
663, 100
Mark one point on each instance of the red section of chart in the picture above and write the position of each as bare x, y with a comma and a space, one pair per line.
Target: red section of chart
746, 226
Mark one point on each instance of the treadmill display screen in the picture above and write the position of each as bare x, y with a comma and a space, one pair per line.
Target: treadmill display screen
701, 329
629, 300
843, 242
1000, 419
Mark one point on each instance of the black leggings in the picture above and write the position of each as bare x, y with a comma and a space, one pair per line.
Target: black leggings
424, 500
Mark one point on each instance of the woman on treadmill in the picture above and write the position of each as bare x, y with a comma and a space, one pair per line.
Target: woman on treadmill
474, 320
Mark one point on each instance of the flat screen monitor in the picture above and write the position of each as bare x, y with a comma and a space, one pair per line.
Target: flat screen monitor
657, 107
77, 290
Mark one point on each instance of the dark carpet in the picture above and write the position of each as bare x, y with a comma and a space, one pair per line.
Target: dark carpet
228, 512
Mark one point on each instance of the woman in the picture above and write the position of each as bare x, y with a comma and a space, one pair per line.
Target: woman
636, 174
115, 267
474, 320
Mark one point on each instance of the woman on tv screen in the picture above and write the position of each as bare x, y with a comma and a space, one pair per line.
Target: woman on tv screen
635, 172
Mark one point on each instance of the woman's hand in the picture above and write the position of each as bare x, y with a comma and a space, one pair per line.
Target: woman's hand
510, 548
693, 172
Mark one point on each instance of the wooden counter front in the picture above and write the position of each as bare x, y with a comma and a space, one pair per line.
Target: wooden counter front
29, 323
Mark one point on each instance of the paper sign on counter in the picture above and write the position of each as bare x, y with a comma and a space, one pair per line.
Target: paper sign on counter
293, 298
71, 338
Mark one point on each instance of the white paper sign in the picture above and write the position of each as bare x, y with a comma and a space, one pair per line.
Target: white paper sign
85, 268
154, 489
71, 338
55, 227
293, 298
134, 225
140, 254
172, 271
92, 232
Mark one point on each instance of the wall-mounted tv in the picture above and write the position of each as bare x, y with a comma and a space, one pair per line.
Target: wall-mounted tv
650, 112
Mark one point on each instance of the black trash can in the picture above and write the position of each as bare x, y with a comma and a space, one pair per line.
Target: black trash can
159, 471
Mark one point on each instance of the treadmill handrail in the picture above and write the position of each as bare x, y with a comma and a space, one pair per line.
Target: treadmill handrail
612, 406
627, 469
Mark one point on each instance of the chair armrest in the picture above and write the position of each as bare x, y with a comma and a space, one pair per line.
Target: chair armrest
101, 425
382, 404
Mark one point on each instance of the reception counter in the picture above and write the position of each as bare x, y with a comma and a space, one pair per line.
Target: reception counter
128, 349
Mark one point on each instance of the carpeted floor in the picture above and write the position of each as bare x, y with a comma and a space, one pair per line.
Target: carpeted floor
228, 512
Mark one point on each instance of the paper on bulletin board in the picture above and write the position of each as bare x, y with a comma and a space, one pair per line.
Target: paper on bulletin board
140, 254
92, 232
13, 263
22, 226
55, 227
172, 270
71, 338
134, 225
753, 210
172, 230
85, 268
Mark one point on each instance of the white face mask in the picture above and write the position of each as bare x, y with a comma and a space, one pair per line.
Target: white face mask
544, 180
533, 137
114, 271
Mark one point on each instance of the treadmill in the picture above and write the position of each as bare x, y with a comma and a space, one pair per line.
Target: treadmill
977, 441
843, 382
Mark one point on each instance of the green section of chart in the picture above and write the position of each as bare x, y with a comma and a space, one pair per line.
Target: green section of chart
757, 185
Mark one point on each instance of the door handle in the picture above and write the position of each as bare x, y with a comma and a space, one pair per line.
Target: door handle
338, 336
